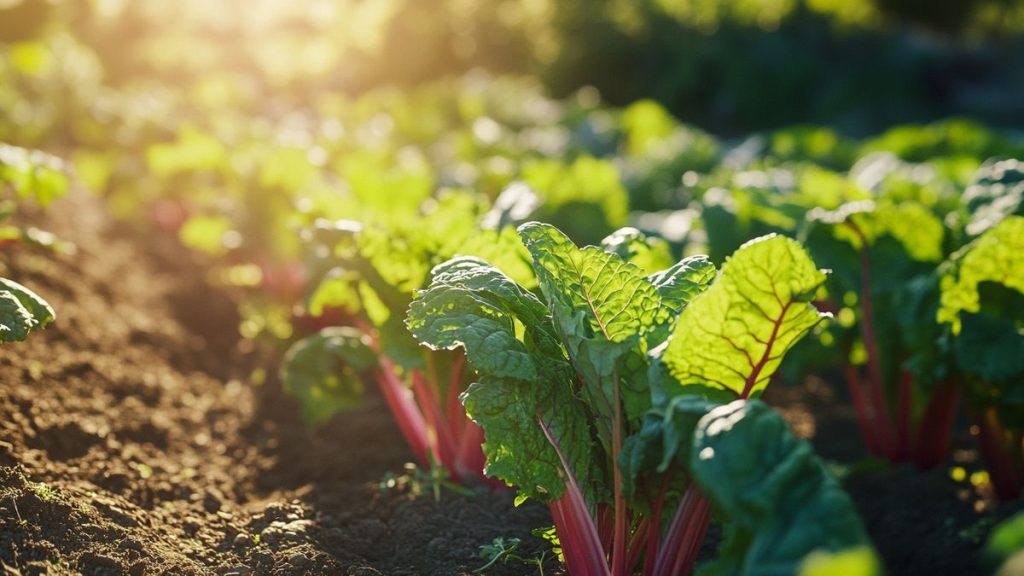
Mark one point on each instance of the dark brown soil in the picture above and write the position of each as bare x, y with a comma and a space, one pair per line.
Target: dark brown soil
139, 436
921, 522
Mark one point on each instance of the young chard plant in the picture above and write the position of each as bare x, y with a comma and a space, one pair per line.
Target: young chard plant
39, 176
368, 273
884, 254
983, 306
21, 312
587, 404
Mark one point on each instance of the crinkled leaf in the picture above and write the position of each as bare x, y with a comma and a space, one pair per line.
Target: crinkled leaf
516, 448
912, 224
21, 311
603, 308
472, 304
650, 253
683, 281
15, 321
325, 371
591, 292
997, 256
523, 375
997, 192
779, 502
734, 335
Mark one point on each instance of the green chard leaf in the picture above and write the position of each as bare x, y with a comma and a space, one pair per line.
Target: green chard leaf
589, 291
325, 371
997, 192
650, 253
21, 311
734, 335
523, 377
604, 310
997, 256
982, 301
779, 502
683, 281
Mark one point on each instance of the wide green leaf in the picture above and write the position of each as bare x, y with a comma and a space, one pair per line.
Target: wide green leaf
683, 281
997, 256
604, 309
997, 192
325, 371
650, 253
524, 379
21, 311
734, 335
589, 291
779, 502
472, 304
511, 413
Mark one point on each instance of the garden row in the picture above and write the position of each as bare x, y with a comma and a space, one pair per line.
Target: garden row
395, 241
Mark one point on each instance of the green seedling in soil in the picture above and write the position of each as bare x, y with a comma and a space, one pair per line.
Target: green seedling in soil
625, 401
503, 550
416, 481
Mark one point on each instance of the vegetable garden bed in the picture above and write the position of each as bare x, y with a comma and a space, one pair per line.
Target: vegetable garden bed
139, 435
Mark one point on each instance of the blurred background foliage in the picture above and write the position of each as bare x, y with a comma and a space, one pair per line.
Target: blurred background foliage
728, 66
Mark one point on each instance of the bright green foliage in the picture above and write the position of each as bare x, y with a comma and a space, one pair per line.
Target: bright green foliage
575, 363
326, 371
21, 311
778, 502
683, 281
590, 291
582, 198
645, 124
650, 253
735, 335
997, 256
997, 192
983, 303
523, 375
856, 561
1006, 539
608, 314
32, 174
862, 224
561, 363
954, 137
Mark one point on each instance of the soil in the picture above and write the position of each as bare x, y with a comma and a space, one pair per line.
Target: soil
140, 435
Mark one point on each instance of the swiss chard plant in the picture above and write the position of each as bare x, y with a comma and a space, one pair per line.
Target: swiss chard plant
603, 397
882, 230
364, 276
982, 294
884, 254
